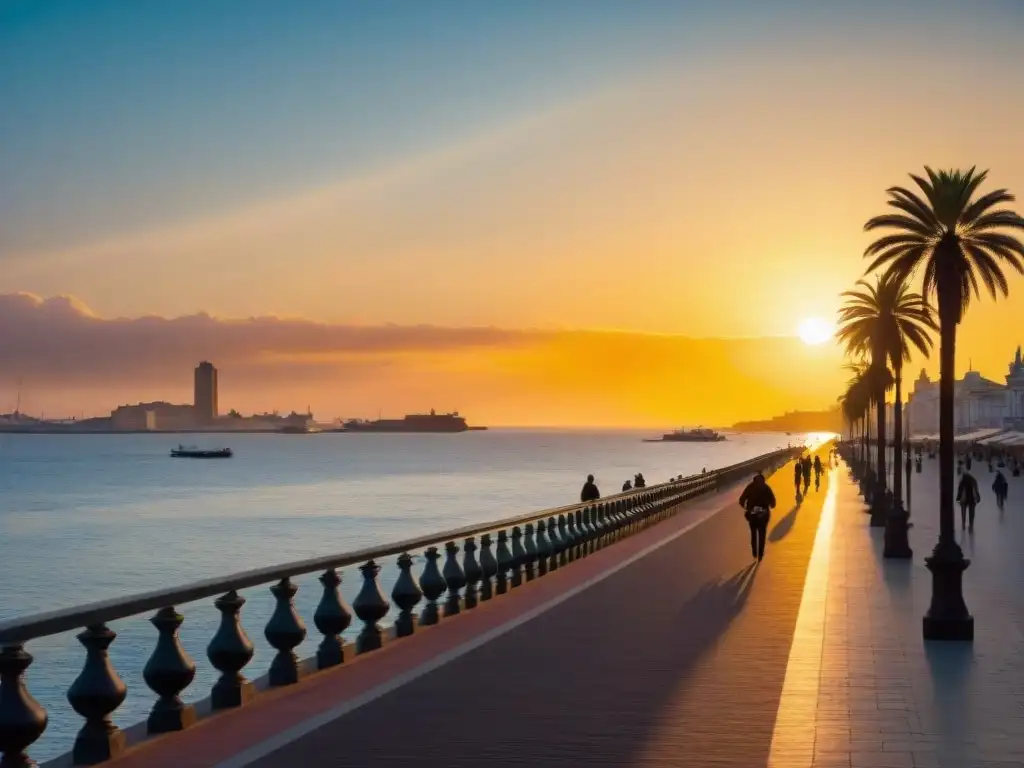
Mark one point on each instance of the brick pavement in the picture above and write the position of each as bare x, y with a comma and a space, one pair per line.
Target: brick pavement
679, 659
883, 698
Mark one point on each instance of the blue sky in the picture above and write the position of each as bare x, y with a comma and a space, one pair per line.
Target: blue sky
124, 114
139, 140
137, 111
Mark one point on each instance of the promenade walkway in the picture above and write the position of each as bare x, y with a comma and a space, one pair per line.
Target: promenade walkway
670, 649
667, 647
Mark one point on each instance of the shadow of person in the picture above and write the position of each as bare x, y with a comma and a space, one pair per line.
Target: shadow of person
784, 526
717, 603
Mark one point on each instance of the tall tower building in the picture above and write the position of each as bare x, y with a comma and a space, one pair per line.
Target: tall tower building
205, 400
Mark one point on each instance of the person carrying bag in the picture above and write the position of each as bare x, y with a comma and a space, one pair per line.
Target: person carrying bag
757, 501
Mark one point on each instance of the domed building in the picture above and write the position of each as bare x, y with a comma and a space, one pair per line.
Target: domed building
979, 403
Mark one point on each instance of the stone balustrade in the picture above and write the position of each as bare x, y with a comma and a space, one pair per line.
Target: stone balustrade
472, 565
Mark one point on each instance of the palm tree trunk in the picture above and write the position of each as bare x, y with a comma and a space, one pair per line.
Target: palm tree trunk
947, 617
897, 438
880, 436
947, 376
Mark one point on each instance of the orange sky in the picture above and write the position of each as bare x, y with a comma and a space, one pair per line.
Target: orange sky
717, 196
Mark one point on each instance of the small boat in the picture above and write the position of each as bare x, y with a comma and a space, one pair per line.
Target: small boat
191, 452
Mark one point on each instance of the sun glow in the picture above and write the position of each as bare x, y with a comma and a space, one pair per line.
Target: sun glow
815, 331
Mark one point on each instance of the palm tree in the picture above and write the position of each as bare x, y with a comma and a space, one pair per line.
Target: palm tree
898, 320
853, 405
858, 402
957, 240
863, 327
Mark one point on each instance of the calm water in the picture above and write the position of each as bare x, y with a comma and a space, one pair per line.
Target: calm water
84, 518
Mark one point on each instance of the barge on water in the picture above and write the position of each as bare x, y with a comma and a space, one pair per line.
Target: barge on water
416, 422
191, 452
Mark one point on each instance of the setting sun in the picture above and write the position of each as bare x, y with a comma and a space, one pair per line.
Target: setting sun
815, 331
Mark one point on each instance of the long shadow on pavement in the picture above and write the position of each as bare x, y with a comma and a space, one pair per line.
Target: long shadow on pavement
618, 675
951, 665
785, 525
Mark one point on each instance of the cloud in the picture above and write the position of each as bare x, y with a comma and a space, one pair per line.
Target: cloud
50, 339
72, 361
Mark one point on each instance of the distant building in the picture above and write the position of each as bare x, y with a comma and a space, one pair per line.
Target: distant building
978, 403
205, 398
153, 417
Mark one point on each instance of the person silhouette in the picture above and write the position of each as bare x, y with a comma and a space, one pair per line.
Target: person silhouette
590, 492
1000, 488
967, 496
757, 501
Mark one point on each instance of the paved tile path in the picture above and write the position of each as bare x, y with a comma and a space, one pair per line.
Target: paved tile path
677, 660
885, 697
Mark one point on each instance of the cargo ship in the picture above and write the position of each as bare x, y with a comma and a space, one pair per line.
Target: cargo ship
699, 435
416, 422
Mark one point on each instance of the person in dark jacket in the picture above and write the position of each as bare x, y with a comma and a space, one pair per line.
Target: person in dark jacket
757, 501
967, 496
590, 492
627, 486
1000, 488
638, 480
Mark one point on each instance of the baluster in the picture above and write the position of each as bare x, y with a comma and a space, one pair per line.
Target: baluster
489, 566
229, 651
96, 692
583, 545
168, 672
473, 571
22, 719
433, 585
575, 536
588, 526
556, 543
595, 542
612, 520
518, 556
602, 524
455, 578
406, 594
530, 547
505, 563
543, 548
284, 631
565, 536
332, 617
370, 606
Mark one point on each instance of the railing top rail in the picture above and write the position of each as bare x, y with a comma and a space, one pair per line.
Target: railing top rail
20, 630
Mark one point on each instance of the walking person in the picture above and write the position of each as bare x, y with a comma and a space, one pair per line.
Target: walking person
1000, 488
806, 466
590, 492
798, 476
757, 501
818, 469
968, 496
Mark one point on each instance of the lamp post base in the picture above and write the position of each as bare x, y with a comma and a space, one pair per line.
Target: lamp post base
897, 543
881, 503
947, 617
